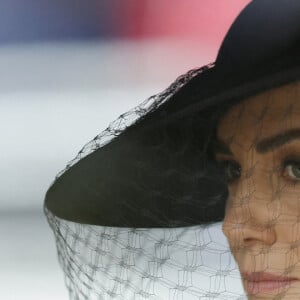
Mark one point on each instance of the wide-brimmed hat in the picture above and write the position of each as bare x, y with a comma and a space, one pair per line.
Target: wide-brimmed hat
154, 166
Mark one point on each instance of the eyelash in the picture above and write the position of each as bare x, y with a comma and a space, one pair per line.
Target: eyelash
290, 162
286, 163
224, 166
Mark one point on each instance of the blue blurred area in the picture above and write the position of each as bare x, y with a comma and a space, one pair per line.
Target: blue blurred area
43, 20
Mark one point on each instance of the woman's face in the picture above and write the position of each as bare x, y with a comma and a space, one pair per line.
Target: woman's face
259, 147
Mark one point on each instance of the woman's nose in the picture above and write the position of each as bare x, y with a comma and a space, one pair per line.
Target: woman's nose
250, 215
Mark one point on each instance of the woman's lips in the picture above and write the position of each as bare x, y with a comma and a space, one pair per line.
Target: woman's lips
261, 282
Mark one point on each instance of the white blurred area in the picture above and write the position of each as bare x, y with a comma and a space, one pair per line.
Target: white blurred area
55, 98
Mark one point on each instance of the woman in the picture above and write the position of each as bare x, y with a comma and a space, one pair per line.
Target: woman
259, 146
130, 213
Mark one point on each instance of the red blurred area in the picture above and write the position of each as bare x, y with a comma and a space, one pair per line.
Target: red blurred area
207, 20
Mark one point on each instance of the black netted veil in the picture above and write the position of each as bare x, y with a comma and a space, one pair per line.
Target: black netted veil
104, 262
135, 215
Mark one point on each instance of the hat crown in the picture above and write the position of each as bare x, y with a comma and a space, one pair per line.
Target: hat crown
263, 30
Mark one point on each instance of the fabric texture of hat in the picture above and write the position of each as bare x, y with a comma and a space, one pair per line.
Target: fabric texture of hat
140, 192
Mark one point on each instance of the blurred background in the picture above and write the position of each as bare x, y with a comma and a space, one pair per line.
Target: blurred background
69, 68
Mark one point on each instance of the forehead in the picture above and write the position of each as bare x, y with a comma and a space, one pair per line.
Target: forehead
262, 115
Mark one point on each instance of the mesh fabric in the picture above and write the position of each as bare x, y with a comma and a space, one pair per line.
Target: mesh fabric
188, 263
101, 262
260, 156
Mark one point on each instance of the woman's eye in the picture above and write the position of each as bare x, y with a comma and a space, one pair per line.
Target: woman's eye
232, 170
292, 170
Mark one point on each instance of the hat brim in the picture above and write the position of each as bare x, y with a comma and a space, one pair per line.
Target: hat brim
132, 182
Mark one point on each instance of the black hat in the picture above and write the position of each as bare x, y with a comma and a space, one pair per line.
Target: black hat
156, 168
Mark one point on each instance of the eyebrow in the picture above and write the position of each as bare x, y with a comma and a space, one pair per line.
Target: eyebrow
264, 145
